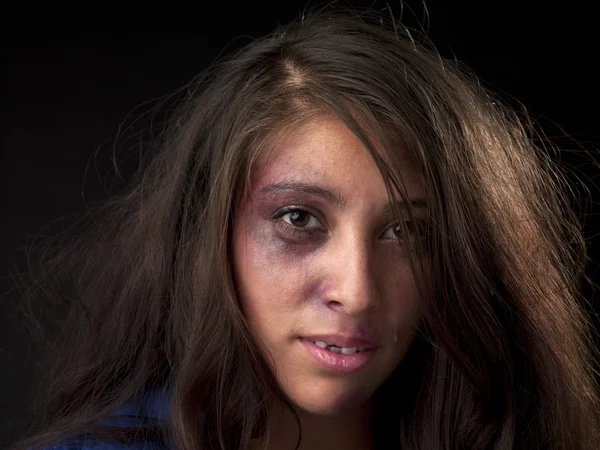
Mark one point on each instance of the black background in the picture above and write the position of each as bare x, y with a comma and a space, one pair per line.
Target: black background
66, 92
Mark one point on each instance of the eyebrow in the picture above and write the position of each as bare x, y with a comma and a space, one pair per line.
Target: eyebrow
333, 197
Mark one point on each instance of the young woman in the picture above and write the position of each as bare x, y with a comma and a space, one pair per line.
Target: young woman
340, 241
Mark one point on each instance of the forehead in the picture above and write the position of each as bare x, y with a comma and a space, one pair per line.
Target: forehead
325, 150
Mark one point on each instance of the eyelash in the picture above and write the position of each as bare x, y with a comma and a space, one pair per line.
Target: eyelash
308, 232
296, 231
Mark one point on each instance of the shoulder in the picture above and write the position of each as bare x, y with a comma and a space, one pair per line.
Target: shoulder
94, 443
151, 409
105, 446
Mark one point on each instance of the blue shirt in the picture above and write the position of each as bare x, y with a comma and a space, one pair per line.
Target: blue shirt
153, 407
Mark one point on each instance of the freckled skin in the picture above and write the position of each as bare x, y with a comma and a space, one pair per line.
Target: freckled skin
343, 278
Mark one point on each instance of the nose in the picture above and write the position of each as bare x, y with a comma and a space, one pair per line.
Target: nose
352, 277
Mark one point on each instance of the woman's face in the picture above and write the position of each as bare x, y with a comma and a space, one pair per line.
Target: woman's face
318, 262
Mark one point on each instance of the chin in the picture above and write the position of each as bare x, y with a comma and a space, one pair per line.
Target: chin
329, 401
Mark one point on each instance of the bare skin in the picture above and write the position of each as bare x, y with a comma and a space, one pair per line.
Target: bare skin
316, 252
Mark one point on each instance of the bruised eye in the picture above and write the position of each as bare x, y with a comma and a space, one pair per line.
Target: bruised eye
298, 224
300, 219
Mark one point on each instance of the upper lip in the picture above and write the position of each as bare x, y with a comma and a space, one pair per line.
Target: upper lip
342, 341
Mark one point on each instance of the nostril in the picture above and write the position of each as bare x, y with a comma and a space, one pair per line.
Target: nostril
334, 304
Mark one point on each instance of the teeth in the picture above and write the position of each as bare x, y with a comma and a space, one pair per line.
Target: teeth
348, 351
342, 350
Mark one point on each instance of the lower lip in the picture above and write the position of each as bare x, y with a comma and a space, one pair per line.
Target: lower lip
337, 362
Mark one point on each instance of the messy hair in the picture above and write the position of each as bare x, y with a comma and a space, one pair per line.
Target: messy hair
504, 357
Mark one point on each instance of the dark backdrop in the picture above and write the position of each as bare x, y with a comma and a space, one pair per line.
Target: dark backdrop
66, 92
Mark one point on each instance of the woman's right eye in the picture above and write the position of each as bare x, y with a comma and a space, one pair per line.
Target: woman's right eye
300, 219
297, 223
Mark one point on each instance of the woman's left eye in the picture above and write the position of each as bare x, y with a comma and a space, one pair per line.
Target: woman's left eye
395, 231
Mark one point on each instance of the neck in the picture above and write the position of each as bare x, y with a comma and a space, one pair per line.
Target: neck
348, 431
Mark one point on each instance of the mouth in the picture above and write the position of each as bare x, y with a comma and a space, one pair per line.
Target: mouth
336, 349
338, 342
342, 360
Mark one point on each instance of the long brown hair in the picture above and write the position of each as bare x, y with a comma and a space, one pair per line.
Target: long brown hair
504, 359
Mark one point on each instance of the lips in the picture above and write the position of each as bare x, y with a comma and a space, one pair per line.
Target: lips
334, 362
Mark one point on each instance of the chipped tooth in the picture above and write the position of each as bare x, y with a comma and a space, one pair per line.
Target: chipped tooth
321, 344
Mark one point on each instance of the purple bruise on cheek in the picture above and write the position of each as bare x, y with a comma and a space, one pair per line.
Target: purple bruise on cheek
285, 248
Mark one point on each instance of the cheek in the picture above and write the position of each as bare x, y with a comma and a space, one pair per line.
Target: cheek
269, 276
